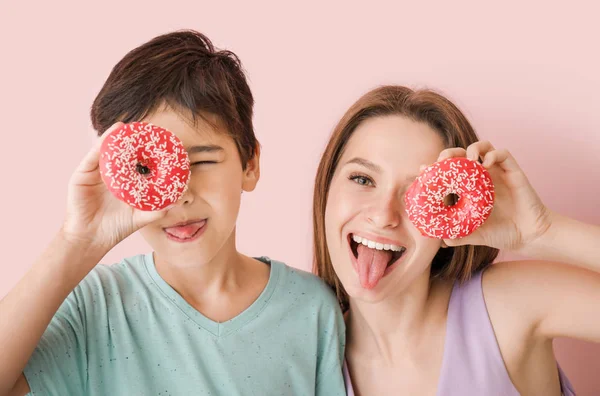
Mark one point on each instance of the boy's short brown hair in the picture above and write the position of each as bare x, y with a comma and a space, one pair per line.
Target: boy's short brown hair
185, 71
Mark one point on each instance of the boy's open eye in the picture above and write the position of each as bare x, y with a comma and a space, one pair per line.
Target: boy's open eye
361, 180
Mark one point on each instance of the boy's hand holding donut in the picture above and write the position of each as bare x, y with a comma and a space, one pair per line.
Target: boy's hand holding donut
95, 216
519, 217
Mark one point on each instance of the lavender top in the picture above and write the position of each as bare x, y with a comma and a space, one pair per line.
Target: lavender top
472, 364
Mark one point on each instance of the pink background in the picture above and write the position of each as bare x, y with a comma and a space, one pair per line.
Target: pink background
525, 73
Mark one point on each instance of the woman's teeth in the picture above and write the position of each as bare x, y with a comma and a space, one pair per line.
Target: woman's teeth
377, 245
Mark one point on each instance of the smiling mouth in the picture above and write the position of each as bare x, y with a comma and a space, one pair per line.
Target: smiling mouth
394, 251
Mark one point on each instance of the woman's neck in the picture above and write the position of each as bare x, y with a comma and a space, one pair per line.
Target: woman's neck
397, 325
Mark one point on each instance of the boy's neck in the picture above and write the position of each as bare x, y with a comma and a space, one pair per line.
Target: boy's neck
219, 289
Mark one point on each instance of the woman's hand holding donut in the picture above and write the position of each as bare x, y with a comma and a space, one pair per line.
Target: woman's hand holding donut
519, 217
94, 216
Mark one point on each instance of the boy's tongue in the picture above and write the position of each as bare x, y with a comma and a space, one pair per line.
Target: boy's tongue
185, 231
371, 265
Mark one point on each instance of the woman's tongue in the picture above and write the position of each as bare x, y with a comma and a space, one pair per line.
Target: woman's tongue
371, 265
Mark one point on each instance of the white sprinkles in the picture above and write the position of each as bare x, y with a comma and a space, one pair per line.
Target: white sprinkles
143, 144
466, 178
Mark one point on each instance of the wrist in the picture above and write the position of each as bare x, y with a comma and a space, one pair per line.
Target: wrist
543, 241
78, 251
81, 241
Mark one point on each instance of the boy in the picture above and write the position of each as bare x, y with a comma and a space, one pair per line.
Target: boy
195, 316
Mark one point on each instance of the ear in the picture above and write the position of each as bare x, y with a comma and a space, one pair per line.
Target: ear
252, 171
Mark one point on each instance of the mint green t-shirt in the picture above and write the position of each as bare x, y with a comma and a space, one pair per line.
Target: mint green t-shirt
125, 331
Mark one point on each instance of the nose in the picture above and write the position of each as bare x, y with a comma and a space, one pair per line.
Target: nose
187, 197
386, 211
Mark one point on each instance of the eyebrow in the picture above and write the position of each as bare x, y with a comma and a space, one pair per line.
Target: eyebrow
365, 163
374, 167
204, 149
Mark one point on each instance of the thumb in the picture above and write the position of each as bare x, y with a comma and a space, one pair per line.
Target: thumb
146, 217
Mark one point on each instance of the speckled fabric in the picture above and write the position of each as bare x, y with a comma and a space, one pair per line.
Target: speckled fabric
125, 331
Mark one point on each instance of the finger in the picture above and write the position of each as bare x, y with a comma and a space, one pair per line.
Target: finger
478, 150
503, 158
160, 212
146, 217
451, 153
91, 159
472, 239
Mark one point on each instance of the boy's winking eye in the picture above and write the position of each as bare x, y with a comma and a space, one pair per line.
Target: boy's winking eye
206, 154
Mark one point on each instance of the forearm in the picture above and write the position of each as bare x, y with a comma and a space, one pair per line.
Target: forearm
29, 307
569, 241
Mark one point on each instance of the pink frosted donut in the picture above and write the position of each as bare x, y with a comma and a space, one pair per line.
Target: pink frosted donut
427, 199
144, 165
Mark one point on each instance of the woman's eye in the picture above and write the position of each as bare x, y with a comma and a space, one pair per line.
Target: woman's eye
361, 180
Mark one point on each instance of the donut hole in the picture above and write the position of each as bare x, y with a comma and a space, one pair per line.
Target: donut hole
451, 199
143, 169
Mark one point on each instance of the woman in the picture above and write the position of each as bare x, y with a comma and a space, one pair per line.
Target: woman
428, 316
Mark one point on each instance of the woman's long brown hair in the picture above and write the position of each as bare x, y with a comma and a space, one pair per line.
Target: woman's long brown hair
426, 106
